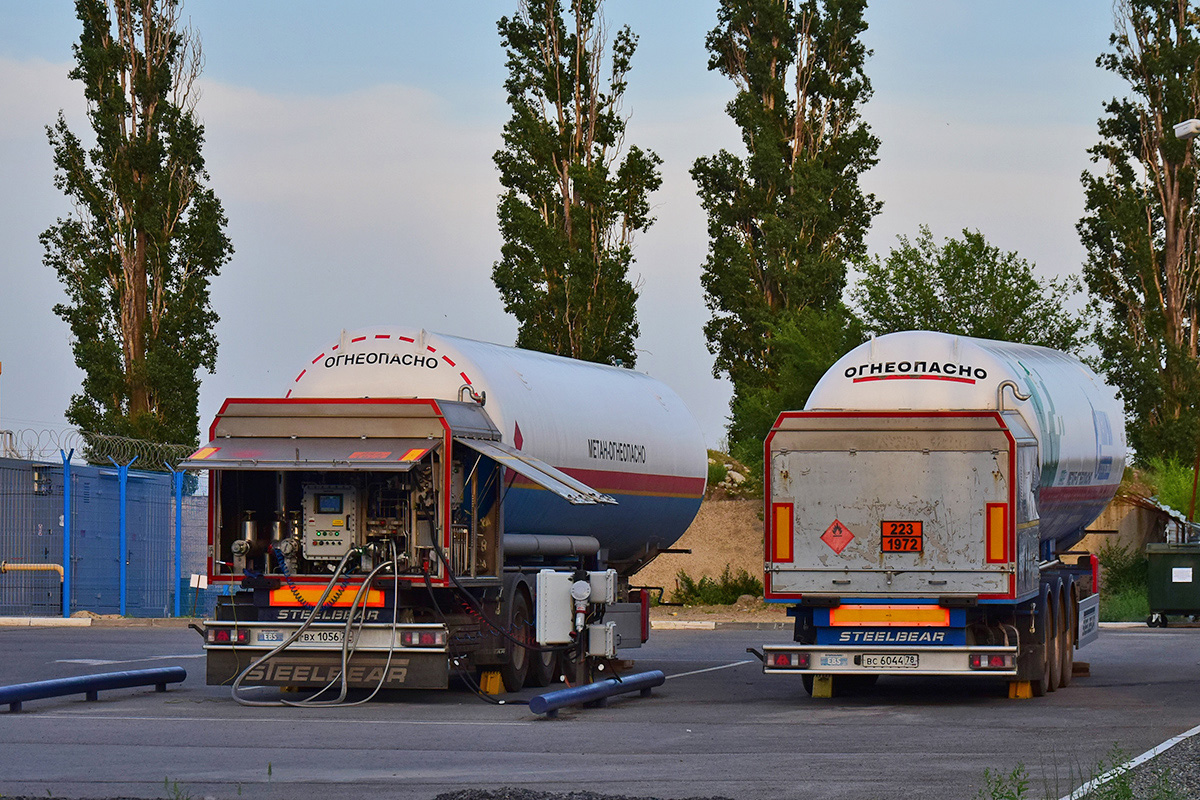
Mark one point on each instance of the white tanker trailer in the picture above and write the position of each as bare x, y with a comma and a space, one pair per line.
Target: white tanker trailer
420, 505
920, 513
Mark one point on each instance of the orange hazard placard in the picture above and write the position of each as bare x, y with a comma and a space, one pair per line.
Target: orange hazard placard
837, 536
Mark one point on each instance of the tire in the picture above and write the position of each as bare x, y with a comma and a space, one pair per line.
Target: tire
1053, 640
543, 668
1066, 644
1040, 685
514, 670
807, 680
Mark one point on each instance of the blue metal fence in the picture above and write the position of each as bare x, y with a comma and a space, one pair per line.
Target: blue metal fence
119, 525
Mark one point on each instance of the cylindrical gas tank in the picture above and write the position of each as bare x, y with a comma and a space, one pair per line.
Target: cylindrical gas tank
617, 430
1076, 417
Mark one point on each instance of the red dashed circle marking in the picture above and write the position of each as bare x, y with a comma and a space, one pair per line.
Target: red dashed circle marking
303, 372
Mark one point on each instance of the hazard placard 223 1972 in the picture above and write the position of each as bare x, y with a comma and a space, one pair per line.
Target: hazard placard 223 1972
902, 536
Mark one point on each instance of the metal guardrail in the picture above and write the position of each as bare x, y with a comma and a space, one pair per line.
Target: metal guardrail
90, 685
597, 692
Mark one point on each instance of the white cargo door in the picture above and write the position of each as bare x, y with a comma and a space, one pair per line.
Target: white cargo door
908, 522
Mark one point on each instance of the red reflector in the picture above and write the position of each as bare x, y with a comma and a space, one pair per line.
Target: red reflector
782, 660
222, 635
428, 638
997, 662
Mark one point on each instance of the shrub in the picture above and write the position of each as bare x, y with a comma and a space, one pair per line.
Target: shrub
723, 591
1125, 577
1171, 481
1124, 569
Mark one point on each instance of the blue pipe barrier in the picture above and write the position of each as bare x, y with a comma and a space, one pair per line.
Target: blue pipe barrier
66, 562
90, 685
597, 692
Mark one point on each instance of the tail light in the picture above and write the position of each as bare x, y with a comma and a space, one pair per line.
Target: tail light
986, 661
788, 660
423, 638
1095, 573
228, 636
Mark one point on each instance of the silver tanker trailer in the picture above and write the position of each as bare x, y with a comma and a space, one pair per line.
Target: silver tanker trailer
421, 505
922, 509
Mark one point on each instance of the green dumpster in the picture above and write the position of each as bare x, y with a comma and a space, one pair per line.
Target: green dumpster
1173, 581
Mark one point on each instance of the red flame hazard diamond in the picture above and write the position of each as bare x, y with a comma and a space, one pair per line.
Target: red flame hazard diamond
837, 536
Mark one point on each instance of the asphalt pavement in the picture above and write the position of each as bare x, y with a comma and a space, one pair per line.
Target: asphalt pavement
717, 727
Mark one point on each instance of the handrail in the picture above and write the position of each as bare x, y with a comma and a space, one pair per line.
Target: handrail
90, 685
6, 567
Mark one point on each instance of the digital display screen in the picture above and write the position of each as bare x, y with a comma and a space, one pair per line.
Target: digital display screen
329, 503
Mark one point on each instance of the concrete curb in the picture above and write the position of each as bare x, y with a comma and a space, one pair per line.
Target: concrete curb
95, 622
45, 622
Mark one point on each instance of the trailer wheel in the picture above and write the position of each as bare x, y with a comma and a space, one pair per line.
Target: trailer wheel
1041, 684
514, 670
807, 680
543, 668
1053, 640
1066, 645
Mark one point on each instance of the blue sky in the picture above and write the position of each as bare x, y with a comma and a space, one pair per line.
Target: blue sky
352, 151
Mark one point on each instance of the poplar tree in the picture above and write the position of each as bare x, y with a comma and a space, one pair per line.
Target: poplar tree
785, 217
572, 203
1139, 228
147, 235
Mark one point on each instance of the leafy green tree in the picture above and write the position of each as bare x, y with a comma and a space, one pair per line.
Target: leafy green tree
1139, 228
147, 235
785, 218
804, 345
968, 287
571, 204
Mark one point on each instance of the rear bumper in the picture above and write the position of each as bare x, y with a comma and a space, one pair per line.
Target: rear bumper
376, 659
890, 660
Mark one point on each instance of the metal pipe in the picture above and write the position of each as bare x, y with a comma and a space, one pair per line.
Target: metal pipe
66, 585
6, 567
530, 544
550, 702
90, 685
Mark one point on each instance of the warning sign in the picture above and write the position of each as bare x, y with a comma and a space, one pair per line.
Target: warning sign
837, 536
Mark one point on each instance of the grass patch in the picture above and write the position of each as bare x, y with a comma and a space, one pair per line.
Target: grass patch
1117, 785
1128, 606
722, 591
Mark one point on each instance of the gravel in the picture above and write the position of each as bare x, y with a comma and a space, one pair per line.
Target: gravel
1172, 774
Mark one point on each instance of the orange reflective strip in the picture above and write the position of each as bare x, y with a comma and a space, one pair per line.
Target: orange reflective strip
414, 454
311, 594
203, 452
782, 533
888, 616
997, 533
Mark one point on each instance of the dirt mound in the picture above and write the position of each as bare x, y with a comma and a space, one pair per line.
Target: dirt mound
726, 533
